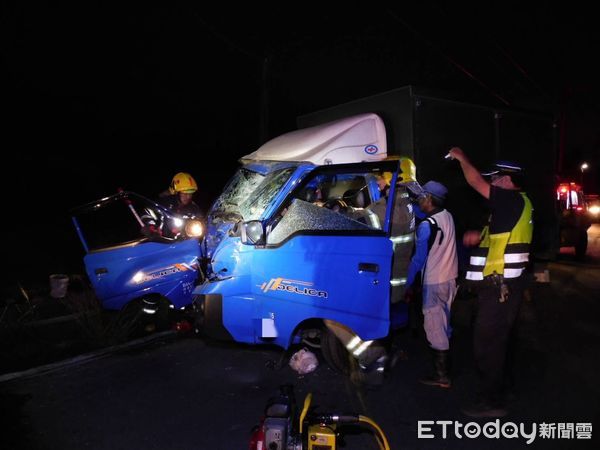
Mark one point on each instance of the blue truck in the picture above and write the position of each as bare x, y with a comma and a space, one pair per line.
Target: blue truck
139, 256
300, 237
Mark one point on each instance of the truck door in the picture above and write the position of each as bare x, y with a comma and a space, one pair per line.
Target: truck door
328, 254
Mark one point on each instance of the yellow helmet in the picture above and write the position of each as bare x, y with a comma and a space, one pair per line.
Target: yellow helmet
409, 170
183, 182
386, 176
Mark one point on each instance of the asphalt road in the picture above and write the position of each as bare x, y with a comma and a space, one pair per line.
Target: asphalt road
191, 394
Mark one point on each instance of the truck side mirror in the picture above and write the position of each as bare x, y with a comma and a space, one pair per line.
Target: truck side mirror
252, 233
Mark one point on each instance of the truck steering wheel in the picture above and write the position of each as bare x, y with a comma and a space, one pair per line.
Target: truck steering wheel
336, 204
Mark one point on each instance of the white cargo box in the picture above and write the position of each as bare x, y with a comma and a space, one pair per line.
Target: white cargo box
350, 140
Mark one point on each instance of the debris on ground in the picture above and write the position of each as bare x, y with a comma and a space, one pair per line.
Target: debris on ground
304, 361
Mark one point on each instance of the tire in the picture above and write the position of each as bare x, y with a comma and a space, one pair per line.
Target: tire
581, 245
128, 322
164, 317
335, 354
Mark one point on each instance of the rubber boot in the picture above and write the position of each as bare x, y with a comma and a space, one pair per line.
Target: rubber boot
440, 375
370, 367
371, 376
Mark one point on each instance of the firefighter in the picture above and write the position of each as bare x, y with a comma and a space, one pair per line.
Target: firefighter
372, 356
179, 197
496, 267
403, 223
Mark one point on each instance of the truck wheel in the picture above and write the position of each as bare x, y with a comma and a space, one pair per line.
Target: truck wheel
581, 245
163, 317
128, 324
335, 354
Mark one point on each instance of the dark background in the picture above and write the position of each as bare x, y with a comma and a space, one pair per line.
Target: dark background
96, 98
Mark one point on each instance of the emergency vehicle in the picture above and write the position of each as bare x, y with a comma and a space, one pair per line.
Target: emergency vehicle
575, 217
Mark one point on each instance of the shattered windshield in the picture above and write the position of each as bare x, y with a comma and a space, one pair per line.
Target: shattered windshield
249, 193
306, 216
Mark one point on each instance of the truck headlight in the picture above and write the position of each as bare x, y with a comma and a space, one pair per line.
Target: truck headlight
595, 210
194, 228
138, 277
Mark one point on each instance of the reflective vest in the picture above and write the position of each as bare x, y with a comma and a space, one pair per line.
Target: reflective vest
506, 253
402, 237
442, 262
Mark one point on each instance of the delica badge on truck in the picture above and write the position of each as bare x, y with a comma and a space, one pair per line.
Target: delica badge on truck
301, 238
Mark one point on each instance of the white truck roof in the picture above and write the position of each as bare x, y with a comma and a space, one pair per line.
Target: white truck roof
352, 139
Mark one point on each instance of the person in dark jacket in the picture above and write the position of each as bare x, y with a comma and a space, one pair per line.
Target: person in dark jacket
497, 269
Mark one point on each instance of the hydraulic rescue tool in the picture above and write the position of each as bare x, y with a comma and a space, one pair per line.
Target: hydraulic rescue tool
281, 428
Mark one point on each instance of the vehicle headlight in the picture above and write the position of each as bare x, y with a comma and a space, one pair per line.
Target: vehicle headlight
595, 210
194, 228
138, 277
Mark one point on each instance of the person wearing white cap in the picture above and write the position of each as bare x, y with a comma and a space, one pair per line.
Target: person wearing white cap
496, 268
435, 257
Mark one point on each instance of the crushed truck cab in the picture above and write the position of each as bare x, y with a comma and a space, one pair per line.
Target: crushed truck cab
301, 234
139, 254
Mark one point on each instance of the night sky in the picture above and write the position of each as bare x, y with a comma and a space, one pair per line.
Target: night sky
97, 98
